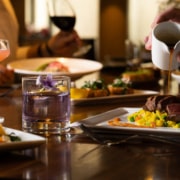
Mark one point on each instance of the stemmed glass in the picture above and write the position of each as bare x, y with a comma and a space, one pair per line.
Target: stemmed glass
4, 53
63, 16
4, 49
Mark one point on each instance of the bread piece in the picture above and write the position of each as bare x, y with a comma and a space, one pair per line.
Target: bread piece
119, 87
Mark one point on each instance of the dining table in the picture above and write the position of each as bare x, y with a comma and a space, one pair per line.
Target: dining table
77, 156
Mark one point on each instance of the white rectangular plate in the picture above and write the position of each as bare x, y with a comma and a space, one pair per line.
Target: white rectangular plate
99, 123
27, 141
137, 95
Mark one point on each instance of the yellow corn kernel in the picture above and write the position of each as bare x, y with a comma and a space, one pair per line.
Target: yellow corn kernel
171, 123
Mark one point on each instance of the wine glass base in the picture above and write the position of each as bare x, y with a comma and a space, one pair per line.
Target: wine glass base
82, 50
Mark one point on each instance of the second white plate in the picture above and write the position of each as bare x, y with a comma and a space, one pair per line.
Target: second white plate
28, 140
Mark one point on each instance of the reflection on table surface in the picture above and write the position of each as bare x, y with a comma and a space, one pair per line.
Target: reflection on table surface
77, 156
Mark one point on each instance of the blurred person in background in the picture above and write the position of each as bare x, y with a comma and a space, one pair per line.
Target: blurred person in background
61, 44
170, 14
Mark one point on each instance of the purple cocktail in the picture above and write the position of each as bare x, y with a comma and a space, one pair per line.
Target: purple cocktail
46, 111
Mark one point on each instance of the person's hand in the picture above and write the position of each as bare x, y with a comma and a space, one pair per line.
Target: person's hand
64, 43
6, 75
171, 14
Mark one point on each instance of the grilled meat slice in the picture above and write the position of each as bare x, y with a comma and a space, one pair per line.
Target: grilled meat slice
169, 99
164, 103
173, 111
152, 101
173, 108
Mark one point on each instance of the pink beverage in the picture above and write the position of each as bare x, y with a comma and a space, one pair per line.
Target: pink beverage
46, 111
4, 54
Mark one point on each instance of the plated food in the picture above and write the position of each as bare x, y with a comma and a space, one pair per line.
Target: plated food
54, 66
98, 88
119, 87
77, 67
6, 137
95, 88
158, 111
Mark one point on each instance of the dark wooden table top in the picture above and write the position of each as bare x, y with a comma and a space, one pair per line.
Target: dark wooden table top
78, 157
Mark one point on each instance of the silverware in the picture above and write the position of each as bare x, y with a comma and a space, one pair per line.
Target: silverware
149, 137
113, 139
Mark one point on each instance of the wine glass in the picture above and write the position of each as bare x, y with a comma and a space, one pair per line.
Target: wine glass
4, 49
4, 53
63, 16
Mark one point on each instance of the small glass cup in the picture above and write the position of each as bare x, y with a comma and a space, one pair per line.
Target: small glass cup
46, 104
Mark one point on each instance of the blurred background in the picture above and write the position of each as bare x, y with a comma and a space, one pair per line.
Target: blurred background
116, 29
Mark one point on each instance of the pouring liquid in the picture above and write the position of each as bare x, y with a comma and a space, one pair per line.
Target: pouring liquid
171, 49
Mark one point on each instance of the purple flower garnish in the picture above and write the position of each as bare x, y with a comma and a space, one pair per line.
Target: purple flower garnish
47, 83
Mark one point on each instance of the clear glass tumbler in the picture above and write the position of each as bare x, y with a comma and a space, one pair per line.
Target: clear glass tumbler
46, 104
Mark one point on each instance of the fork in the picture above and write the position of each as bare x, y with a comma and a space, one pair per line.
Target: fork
127, 138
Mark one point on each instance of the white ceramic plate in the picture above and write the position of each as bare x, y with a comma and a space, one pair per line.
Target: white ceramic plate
27, 140
100, 123
77, 67
136, 95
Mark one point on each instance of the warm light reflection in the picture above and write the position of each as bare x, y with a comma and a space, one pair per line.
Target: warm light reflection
149, 178
140, 17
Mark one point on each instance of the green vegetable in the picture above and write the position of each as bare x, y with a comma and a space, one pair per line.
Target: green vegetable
13, 137
131, 119
99, 84
42, 67
120, 83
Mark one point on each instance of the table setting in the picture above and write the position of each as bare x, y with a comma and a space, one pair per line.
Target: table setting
82, 147
98, 136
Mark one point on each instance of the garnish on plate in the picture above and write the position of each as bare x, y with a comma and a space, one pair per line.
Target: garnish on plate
117, 122
4, 137
54, 66
96, 88
119, 87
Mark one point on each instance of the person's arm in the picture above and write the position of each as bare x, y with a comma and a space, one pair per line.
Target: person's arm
62, 44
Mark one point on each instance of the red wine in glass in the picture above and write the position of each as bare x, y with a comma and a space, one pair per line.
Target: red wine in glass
65, 23
63, 16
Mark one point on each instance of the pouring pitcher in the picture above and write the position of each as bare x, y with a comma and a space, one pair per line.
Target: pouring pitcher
166, 45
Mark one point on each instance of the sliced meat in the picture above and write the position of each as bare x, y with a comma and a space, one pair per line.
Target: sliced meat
164, 103
161, 105
175, 117
173, 108
148, 105
151, 103
173, 111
